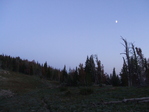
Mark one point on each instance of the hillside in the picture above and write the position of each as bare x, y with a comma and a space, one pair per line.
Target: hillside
19, 83
16, 86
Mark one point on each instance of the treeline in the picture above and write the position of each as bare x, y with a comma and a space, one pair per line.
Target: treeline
91, 73
135, 70
16, 64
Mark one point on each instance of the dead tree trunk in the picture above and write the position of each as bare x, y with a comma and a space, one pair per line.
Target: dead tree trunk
136, 70
128, 61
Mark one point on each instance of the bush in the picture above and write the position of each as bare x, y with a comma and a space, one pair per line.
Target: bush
68, 93
63, 89
86, 91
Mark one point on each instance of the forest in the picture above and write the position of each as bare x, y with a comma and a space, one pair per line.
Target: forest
134, 72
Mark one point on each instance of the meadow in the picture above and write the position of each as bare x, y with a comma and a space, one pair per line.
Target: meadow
23, 93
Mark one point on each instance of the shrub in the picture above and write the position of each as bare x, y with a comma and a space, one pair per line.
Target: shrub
68, 93
86, 91
63, 89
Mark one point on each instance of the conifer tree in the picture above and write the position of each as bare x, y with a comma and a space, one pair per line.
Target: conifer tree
115, 79
82, 74
98, 77
123, 74
75, 77
93, 69
64, 75
88, 70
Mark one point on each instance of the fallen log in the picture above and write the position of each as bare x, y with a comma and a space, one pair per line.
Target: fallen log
112, 102
144, 101
133, 100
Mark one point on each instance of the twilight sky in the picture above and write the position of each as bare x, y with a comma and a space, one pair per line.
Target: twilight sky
64, 32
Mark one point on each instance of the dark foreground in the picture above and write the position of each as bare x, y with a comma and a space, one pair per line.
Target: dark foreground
30, 94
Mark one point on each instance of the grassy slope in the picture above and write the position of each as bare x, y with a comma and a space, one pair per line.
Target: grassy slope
18, 83
33, 95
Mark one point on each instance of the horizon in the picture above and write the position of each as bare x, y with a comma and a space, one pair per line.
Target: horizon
66, 32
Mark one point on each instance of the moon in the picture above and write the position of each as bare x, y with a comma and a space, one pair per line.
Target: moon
116, 21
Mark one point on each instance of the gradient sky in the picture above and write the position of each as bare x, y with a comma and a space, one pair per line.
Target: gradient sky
64, 32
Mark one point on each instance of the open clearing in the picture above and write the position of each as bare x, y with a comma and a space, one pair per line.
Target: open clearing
22, 93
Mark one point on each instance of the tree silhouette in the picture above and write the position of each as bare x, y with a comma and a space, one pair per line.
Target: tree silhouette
115, 81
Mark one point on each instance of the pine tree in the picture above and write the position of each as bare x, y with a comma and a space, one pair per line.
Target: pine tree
123, 74
115, 79
75, 77
141, 61
93, 68
88, 69
64, 75
82, 74
146, 65
98, 79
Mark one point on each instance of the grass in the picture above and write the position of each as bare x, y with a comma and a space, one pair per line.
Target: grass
36, 96
86, 91
19, 83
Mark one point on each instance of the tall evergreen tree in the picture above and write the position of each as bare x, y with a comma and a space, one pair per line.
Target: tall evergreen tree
146, 65
98, 74
45, 69
75, 77
93, 69
82, 74
123, 74
88, 70
115, 79
64, 75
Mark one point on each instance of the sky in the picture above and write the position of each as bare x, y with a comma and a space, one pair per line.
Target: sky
65, 32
